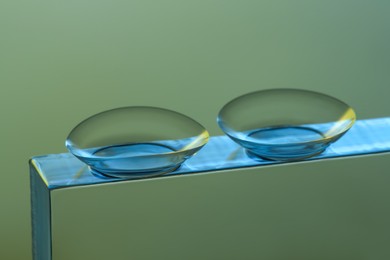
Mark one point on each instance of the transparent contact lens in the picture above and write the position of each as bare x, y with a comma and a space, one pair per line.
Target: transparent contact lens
136, 142
285, 124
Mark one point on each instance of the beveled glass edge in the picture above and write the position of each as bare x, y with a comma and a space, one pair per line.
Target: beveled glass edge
367, 136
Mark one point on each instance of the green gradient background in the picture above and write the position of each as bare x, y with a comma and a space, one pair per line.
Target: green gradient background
61, 61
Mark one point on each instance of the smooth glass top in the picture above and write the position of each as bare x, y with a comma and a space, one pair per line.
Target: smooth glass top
365, 137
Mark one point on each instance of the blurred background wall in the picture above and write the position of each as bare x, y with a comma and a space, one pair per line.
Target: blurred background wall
62, 61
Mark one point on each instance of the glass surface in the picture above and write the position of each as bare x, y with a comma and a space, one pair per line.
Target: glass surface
133, 142
369, 136
285, 124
